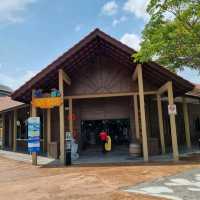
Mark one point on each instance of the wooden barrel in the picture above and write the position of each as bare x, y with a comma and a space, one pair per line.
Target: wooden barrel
135, 149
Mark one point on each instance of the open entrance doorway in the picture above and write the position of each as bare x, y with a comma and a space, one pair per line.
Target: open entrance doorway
118, 129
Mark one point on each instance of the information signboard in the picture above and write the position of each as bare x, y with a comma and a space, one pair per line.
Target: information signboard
172, 109
34, 134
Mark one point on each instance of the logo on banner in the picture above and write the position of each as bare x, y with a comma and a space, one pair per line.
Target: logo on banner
172, 109
34, 134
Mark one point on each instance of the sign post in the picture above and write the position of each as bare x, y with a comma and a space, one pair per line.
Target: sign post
34, 138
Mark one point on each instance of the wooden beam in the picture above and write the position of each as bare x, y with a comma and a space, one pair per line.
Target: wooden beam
163, 88
135, 73
15, 131
16, 108
142, 112
61, 113
48, 129
186, 123
66, 78
160, 119
137, 128
173, 123
107, 95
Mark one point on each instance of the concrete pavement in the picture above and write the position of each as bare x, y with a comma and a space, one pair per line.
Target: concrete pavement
183, 186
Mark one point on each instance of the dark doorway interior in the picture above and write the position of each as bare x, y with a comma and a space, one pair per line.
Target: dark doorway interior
118, 129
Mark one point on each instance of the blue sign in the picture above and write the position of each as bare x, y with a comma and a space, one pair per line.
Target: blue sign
34, 134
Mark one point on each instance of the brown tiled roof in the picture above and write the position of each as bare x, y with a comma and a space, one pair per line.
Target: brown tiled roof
7, 103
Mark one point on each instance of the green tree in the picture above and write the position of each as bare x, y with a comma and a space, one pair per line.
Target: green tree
172, 35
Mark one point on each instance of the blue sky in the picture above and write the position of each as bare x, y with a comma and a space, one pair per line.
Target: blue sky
34, 32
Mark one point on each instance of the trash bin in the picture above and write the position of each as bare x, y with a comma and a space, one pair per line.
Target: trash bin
68, 146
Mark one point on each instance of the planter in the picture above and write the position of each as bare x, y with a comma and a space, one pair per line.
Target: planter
47, 102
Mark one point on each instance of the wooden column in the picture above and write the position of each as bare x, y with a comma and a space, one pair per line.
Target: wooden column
15, 131
142, 111
173, 123
137, 128
3, 130
61, 111
70, 116
10, 130
33, 111
160, 119
186, 123
43, 130
48, 129
33, 114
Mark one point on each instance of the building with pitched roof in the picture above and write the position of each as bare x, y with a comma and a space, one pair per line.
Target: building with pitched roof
102, 87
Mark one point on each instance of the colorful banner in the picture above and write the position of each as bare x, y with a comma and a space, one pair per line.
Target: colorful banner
34, 134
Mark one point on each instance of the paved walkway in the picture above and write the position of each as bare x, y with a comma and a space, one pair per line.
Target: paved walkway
25, 157
183, 186
84, 159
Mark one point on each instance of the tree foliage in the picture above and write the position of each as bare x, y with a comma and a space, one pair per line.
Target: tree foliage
172, 35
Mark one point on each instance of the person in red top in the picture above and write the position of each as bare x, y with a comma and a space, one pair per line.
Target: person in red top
103, 137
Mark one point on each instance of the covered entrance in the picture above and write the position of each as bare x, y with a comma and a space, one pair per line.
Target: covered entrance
96, 114
118, 130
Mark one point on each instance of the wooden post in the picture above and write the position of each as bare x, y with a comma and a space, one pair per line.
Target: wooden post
160, 119
186, 123
142, 111
70, 116
43, 131
10, 130
137, 128
173, 123
15, 131
3, 130
61, 111
33, 111
48, 129
33, 114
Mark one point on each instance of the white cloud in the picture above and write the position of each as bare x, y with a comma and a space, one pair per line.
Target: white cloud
137, 7
118, 21
132, 40
14, 82
110, 8
10, 10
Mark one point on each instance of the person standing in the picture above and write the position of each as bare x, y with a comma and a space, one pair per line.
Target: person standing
103, 137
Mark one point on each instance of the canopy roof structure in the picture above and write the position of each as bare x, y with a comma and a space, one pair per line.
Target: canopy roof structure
94, 44
6, 104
